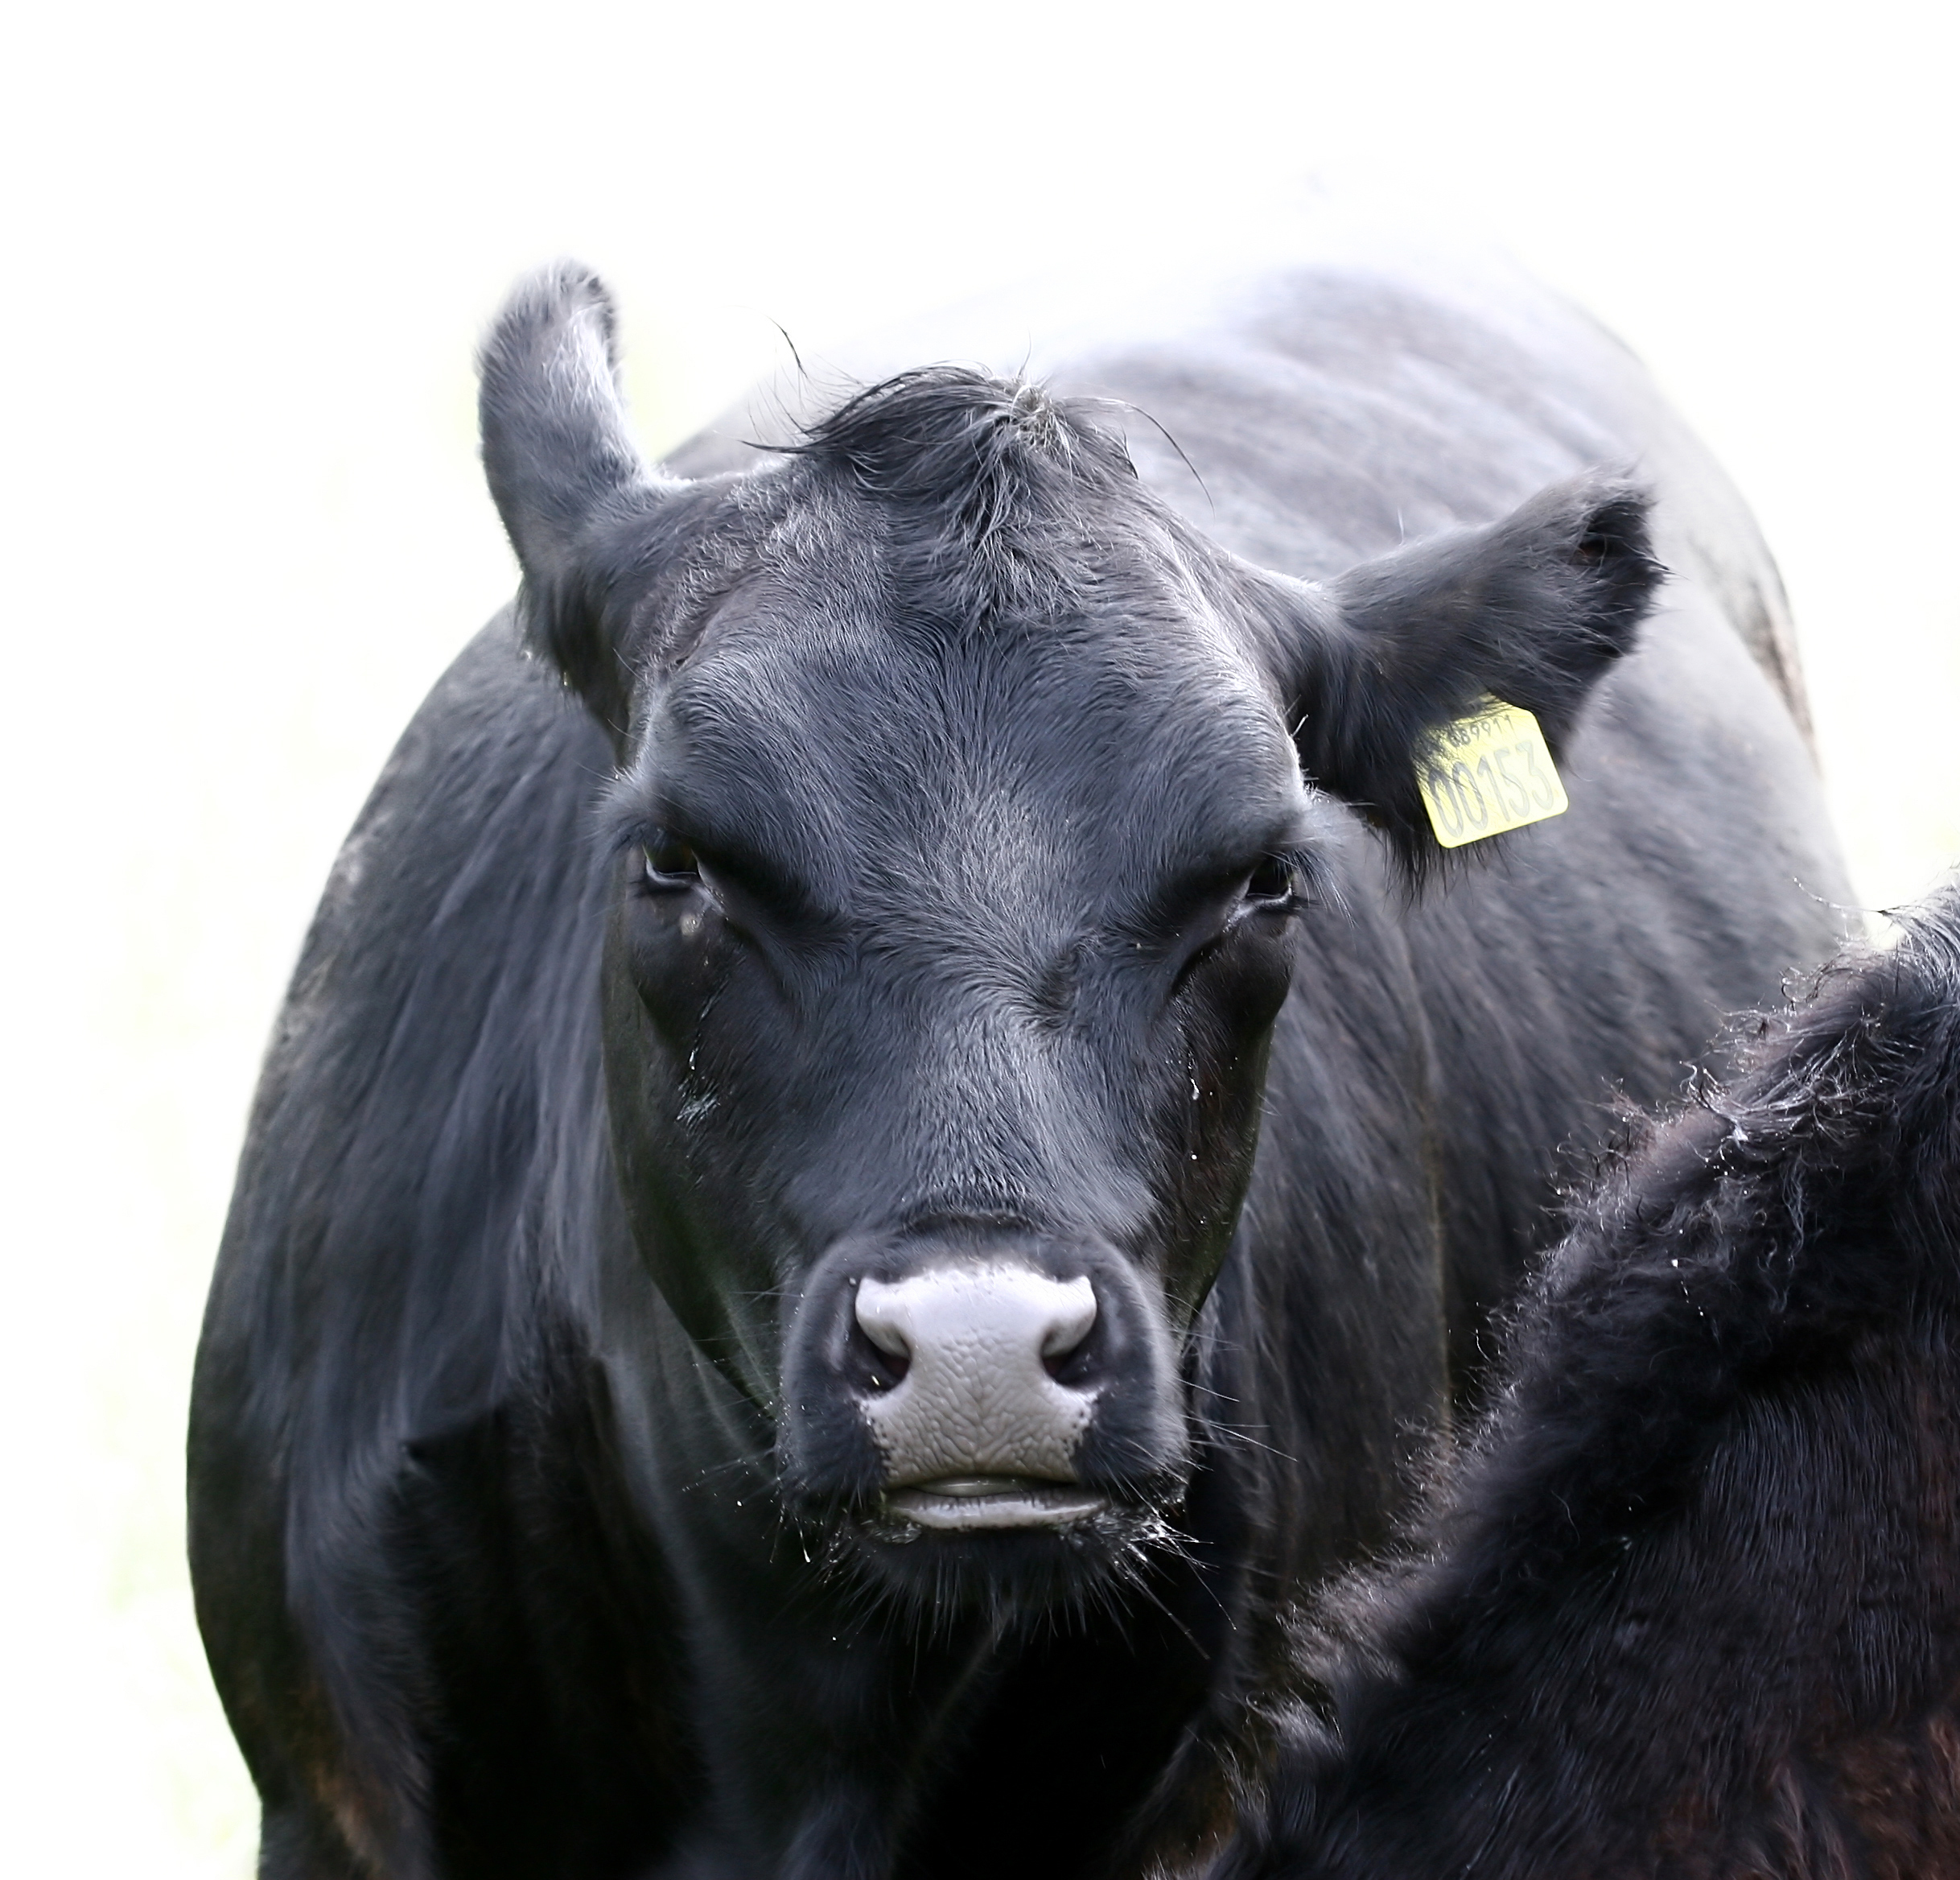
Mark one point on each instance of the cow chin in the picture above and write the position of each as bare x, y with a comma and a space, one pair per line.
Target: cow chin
1002, 1546
1033, 1552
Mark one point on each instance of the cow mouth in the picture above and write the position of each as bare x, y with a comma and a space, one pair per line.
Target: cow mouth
961, 1503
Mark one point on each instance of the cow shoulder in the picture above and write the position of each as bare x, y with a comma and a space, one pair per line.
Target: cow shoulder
446, 980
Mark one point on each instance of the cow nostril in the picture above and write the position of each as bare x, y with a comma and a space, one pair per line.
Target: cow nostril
875, 1325
877, 1352
885, 1376
1073, 1365
875, 1364
1066, 1352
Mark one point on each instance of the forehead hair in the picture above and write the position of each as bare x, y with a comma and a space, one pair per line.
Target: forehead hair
995, 498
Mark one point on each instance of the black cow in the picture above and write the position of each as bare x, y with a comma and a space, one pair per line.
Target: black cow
1695, 1604
752, 1336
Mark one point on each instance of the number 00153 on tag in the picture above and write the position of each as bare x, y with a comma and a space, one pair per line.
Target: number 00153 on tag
1489, 773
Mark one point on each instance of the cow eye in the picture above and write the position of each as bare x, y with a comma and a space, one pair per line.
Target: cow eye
670, 864
1275, 880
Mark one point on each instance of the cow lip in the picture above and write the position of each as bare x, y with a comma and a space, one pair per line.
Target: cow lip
970, 1502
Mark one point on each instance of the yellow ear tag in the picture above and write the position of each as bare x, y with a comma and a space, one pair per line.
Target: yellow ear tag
1488, 772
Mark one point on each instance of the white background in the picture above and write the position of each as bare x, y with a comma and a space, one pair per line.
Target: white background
249, 251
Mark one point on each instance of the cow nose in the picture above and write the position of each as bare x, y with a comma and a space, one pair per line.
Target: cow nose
1009, 1312
978, 1395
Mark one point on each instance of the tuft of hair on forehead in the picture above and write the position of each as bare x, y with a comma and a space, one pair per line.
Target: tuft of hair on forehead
991, 485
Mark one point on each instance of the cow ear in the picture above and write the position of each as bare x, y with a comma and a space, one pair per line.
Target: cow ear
568, 479
1533, 609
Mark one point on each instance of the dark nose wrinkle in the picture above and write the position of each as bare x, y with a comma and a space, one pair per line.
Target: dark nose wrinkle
1053, 1002
980, 1103
962, 1102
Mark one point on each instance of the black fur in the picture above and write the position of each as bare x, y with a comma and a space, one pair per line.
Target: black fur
1693, 1607
934, 863
999, 484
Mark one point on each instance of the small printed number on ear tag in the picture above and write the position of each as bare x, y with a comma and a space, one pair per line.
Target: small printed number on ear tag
1488, 772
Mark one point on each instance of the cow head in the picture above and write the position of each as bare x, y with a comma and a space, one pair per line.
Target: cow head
969, 810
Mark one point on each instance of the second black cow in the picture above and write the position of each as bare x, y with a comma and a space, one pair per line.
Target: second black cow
1691, 1608
891, 1127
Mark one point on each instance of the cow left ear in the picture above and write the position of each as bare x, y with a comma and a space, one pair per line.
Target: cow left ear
576, 496
1533, 609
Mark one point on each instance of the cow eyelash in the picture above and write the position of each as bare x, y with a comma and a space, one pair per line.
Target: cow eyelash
1274, 879
668, 865
1287, 878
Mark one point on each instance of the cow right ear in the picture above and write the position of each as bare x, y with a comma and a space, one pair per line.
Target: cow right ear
1533, 609
568, 479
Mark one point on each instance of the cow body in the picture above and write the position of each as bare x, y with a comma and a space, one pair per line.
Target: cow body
1690, 1604
948, 920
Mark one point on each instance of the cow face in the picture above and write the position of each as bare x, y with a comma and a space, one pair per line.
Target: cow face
961, 854
942, 969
